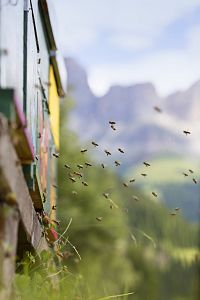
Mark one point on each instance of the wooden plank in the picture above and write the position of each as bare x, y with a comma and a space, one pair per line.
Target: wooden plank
14, 190
9, 220
16, 208
36, 193
12, 42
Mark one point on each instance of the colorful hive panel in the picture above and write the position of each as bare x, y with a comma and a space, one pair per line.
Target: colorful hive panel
54, 107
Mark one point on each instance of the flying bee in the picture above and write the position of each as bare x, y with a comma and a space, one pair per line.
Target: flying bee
154, 194
186, 132
94, 144
194, 180
83, 150
78, 174
56, 222
173, 214
44, 197
112, 122
53, 207
191, 171
60, 254
125, 184
117, 163
103, 166
39, 135
99, 219
72, 179
56, 155
120, 150
45, 219
67, 166
70, 174
66, 255
80, 166
143, 174
146, 164
88, 164
84, 183
135, 198
177, 208
185, 174
113, 203
37, 157
55, 186
74, 193
158, 109
106, 195
107, 152
113, 127
132, 180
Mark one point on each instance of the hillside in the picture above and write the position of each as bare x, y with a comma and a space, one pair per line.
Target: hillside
122, 241
140, 127
115, 239
142, 132
173, 188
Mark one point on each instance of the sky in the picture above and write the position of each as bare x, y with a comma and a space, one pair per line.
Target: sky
130, 41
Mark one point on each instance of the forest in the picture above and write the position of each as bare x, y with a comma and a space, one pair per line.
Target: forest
115, 242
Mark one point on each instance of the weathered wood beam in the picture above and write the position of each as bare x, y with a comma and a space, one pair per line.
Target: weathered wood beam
13, 187
9, 220
16, 208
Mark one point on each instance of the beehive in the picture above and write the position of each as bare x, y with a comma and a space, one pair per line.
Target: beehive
30, 91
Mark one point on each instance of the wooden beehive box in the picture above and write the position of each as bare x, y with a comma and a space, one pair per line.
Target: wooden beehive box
31, 85
30, 91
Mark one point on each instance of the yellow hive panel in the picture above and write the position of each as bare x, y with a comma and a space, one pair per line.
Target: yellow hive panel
54, 108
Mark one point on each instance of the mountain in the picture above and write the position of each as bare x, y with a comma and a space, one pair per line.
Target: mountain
140, 129
85, 101
143, 133
185, 105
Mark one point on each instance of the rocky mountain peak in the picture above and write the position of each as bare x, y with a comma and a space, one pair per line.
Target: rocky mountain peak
132, 108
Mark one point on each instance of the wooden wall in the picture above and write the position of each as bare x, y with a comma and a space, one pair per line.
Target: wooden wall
11, 47
27, 67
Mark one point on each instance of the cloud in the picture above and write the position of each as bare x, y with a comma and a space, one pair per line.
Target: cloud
193, 39
131, 41
79, 21
130, 25
79, 39
168, 70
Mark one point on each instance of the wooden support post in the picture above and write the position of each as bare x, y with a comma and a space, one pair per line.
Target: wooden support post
9, 220
16, 208
13, 187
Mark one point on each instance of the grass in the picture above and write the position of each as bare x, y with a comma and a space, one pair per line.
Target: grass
165, 170
165, 177
185, 255
116, 296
